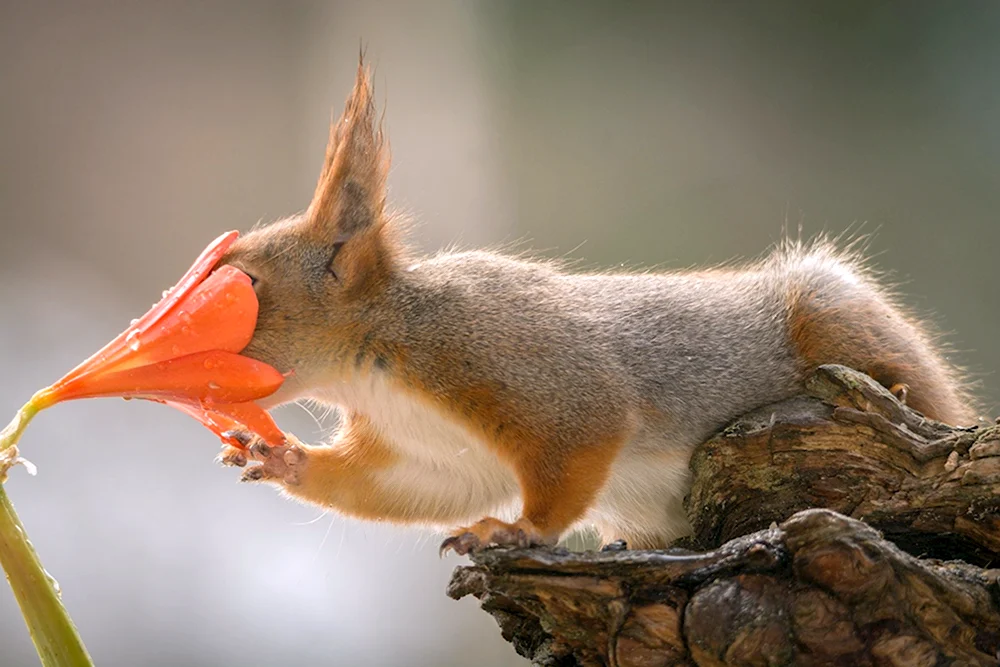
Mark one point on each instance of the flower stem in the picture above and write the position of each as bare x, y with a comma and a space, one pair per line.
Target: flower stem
56, 639
12, 432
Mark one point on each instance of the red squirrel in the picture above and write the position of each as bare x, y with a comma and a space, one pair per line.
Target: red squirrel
475, 384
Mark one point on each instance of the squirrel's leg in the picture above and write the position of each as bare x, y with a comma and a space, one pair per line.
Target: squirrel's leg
338, 476
342, 475
557, 489
361, 475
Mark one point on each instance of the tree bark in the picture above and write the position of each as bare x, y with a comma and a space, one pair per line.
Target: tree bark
823, 587
851, 446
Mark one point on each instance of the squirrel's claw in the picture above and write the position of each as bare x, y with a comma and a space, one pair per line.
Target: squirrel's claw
460, 544
232, 456
237, 456
617, 545
255, 473
492, 532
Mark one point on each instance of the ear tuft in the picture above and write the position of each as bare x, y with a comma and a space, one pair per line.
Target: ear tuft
350, 195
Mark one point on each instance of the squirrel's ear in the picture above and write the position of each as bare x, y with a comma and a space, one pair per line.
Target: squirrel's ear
350, 195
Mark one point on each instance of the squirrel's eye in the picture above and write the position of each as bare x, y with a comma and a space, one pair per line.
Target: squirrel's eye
253, 280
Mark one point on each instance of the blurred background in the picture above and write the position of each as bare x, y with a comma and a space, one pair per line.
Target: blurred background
646, 134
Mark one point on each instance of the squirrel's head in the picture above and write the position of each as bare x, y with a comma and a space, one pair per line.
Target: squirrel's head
320, 274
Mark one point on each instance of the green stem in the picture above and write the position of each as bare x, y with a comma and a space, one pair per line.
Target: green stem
12, 432
56, 639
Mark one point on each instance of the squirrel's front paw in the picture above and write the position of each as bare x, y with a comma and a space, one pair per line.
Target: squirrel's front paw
284, 464
232, 456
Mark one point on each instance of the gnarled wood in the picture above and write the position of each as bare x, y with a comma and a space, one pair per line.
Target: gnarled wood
851, 446
821, 588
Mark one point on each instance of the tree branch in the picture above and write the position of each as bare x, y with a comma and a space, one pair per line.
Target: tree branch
852, 447
821, 587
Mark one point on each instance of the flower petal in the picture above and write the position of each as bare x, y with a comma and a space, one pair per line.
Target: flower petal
202, 266
183, 352
218, 314
218, 423
209, 376
254, 418
221, 418
113, 352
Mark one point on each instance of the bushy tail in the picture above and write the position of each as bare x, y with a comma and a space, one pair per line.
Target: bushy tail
840, 313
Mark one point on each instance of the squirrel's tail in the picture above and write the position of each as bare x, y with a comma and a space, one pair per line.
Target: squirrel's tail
839, 312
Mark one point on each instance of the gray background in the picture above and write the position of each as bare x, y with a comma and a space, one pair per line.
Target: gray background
661, 134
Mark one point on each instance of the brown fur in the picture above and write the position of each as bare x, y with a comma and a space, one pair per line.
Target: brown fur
856, 324
560, 470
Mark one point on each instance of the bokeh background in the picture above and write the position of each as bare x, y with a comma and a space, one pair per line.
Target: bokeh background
646, 134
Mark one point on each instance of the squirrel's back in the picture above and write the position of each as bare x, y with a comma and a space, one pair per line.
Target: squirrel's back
694, 349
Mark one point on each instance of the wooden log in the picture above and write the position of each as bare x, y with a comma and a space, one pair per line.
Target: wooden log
779, 582
820, 589
851, 446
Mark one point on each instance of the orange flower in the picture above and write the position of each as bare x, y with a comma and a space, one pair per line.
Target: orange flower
184, 352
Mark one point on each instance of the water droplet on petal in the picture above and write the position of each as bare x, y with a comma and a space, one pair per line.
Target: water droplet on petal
175, 350
133, 340
165, 293
214, 385
185, 330
185, 316
134, 322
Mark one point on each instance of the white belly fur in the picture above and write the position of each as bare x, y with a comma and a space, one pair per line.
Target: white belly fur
448, 470
643, 499
444, 466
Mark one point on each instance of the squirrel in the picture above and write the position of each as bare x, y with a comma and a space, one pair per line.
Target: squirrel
475, 384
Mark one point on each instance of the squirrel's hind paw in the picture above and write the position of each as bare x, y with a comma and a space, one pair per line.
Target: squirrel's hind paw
493, 532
